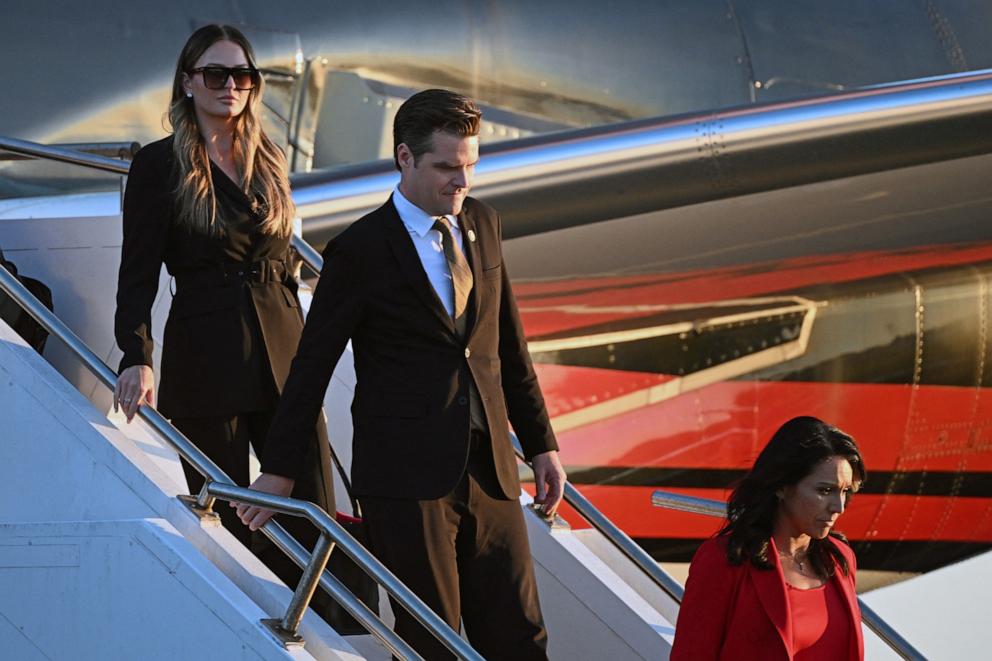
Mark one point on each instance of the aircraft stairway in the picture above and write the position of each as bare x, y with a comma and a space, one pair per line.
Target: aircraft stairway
606, 602
599, 602
90, 508
99, 558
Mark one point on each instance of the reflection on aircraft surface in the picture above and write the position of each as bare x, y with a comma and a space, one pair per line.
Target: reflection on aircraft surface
336, 71
891, 346
678, 312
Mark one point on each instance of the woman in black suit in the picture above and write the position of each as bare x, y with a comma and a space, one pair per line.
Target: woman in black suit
212, 202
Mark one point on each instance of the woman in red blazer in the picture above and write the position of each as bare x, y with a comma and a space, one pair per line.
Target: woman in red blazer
777, 582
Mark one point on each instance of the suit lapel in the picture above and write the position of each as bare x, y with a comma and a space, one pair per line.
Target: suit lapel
850, 599
469, 234
409, 262
221, 180
770, 587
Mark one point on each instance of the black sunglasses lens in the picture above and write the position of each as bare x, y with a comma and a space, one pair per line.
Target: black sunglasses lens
215, 78
244, 79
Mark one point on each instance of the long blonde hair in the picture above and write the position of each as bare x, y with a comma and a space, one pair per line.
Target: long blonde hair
263, 165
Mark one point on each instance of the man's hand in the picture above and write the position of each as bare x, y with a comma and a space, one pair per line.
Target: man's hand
549, 478
255, 516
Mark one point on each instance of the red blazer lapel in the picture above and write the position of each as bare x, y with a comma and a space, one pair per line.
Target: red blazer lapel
853, 612
846, 585
769, 585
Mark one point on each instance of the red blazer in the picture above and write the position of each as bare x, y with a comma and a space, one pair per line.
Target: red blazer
743, 612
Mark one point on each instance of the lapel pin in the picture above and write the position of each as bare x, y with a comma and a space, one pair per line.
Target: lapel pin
471, 236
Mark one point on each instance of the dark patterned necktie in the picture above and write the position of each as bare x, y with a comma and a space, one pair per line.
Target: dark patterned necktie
461, 274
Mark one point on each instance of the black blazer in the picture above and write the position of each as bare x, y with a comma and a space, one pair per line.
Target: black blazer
411, 406
229, 338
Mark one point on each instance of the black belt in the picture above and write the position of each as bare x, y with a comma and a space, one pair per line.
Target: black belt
232, 273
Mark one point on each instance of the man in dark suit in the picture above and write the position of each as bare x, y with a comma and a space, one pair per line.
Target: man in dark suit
420, 289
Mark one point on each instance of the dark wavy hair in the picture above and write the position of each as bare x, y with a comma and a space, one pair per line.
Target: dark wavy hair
429, 111
791, 454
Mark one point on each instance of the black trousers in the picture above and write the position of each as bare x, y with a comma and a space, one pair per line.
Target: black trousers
467, 557
226, 439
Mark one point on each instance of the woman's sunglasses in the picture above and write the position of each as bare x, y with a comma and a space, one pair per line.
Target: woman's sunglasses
215, 78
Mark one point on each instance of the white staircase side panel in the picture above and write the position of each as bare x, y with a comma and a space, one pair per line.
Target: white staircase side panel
590, 612
154, 447
629, 573
367, 646
943, 613
16, 644
77, 255
146, 594
61, 460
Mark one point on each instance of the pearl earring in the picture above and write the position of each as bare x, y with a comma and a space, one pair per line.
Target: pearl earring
189, 95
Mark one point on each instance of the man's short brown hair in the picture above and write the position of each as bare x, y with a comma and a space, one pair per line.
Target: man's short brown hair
429, 111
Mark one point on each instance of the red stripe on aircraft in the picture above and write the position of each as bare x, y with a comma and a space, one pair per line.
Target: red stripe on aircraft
551, 307
726, 424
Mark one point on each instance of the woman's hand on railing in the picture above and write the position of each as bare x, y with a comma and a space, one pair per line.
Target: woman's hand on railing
135, 386
255, 516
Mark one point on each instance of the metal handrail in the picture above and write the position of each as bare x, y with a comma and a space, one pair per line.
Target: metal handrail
677, 501
718, 508
619, 538
64, 155
219, 485
108, 149
307, 253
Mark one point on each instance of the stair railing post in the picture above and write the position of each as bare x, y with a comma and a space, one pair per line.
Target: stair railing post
287, 627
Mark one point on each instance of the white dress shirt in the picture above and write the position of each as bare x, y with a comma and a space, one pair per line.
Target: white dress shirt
427, 241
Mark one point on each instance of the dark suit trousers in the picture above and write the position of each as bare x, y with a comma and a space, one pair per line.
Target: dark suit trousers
466, 556
226, 440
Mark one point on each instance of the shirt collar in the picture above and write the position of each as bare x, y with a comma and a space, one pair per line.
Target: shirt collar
416, 219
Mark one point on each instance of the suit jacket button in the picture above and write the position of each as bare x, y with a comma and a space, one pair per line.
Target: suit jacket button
468, 352
463, 400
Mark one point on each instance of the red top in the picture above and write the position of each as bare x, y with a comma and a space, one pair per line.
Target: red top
820, 629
